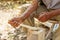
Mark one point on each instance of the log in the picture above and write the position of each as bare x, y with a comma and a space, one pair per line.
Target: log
36, 35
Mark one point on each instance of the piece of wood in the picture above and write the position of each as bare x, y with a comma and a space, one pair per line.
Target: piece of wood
36, 35
47, 23
29, 27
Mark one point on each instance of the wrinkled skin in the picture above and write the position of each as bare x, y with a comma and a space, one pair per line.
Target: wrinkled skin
45, 16
15, 22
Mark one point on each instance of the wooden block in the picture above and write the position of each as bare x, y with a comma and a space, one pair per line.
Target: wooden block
36, 35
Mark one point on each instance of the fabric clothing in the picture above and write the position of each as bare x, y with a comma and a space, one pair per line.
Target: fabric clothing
52, 4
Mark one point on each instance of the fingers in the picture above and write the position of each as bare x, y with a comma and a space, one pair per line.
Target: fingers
13, 23
43, 17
